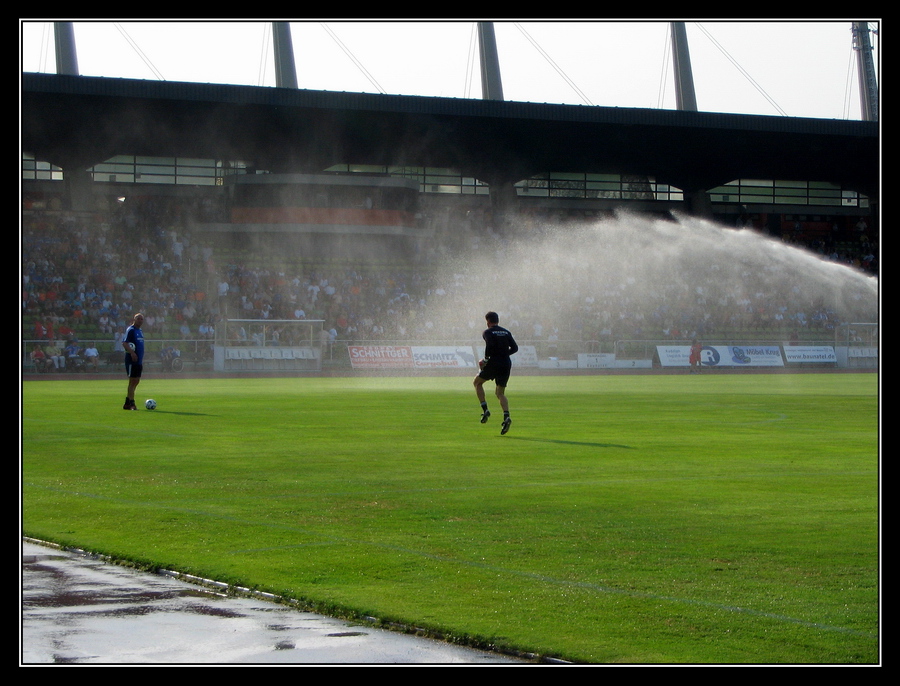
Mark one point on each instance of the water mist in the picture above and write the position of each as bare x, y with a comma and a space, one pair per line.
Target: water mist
634, 276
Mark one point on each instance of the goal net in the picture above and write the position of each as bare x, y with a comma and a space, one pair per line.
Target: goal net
269, 345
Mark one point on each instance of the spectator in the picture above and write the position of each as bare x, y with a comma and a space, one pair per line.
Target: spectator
57, 356
72, 353
40, 360
92, 355
40, 330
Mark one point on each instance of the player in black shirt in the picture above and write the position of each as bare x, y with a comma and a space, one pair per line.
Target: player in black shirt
499, 344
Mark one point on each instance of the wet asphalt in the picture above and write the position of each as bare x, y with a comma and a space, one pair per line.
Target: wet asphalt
78, 609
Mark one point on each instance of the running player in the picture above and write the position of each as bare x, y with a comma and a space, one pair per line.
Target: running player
499, 344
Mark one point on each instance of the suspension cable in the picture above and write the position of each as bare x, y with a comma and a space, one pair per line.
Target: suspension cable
848, 85
139, 52
470, 61
553, 64
742, 70
45, 48
355, 61
263, 57
660, 98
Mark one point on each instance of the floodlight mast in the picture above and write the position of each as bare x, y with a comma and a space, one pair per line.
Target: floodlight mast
865, 64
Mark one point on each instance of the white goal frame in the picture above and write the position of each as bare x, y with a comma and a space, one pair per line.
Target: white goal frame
857, 344
257, 345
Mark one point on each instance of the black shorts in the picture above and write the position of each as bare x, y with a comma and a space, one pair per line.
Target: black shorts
497, 371
133, 369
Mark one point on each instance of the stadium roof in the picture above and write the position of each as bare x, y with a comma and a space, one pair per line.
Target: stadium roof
77, 121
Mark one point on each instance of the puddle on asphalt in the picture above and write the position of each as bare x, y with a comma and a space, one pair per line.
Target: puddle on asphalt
79, 609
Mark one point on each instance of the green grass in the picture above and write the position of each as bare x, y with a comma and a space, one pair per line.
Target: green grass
624, 519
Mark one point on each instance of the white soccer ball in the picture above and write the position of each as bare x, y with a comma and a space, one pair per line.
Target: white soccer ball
130, 347
150, 404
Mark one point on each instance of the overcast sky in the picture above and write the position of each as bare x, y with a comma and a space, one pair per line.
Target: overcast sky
803, 68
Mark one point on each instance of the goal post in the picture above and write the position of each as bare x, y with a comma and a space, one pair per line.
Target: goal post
256, 345
857, 344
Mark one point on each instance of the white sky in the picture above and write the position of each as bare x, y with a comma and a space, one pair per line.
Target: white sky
804, 68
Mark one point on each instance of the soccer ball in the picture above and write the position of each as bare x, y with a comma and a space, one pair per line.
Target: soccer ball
130, 347
150, 404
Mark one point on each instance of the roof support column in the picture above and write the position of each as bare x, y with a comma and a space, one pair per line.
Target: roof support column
66, 56
285, 69
686, 99
491, 86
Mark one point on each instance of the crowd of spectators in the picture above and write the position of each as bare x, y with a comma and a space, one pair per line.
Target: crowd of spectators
83, 276
854, 245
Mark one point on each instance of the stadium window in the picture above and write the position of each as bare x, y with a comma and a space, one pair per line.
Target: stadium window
37, 170
782, 192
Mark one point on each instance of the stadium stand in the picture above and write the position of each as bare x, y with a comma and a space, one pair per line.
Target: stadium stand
84, 274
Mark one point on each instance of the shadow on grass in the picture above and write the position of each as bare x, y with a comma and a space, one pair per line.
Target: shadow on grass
559, 442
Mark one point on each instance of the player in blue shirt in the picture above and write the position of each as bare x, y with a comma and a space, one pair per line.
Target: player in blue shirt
499, 344
133, 344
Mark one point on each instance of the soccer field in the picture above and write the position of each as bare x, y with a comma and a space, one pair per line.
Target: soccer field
624, 519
